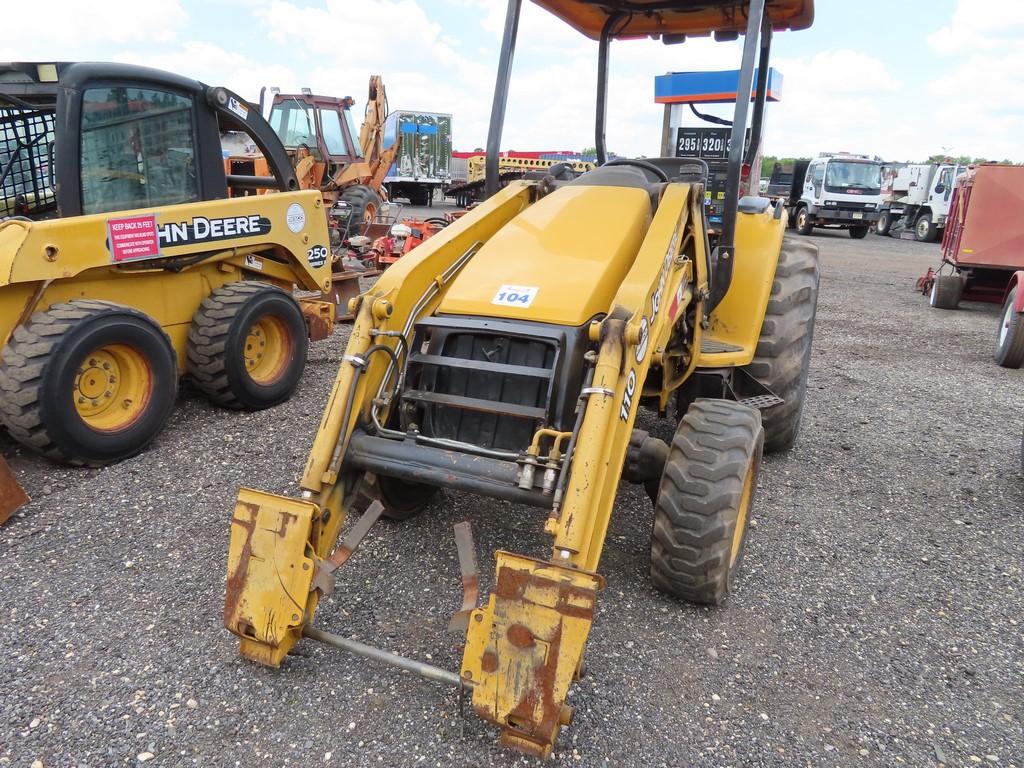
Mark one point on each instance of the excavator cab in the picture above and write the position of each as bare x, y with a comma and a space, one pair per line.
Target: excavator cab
508, 357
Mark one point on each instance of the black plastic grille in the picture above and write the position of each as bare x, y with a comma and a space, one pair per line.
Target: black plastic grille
25, 139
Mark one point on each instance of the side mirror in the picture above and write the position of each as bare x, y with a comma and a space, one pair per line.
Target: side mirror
940, 188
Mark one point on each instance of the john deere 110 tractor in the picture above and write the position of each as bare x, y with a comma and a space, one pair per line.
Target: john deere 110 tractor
508, 356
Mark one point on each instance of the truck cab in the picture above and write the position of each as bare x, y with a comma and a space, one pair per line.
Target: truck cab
916, 200
837, 191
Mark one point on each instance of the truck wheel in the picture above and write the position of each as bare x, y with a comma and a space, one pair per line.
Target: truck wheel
87, 382
247, 346
804, 222
946, 291
704, 500
884, 223
783, 354
1009, 351
925, 230
859, 232
364, 203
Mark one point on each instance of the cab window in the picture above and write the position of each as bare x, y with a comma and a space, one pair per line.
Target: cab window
333, 137
138, 149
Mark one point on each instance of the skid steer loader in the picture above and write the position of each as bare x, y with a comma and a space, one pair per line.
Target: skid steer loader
508, 356
124, 262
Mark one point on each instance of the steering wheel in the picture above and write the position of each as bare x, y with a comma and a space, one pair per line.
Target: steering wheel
643, 165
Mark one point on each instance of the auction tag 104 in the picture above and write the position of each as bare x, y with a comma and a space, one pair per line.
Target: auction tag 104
515, 295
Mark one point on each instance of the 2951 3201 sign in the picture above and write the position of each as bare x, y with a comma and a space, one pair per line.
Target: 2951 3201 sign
705, 143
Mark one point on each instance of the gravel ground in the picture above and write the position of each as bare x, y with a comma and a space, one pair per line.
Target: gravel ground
877, 621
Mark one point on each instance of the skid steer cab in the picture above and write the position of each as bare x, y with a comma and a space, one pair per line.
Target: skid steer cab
125, 263
508, 356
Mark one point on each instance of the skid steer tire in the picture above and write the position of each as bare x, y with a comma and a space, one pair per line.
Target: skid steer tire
247, 346
783, 354
704, 500
87, 382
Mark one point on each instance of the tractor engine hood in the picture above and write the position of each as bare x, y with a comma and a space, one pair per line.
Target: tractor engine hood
559, 261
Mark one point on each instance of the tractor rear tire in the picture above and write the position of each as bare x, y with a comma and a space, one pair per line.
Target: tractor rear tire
247, 346
704, 500
946, 291
783, 354
804, 221
859, 233
364, 203
1009, 351
87, 382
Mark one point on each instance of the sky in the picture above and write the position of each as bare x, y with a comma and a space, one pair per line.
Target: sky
901, 79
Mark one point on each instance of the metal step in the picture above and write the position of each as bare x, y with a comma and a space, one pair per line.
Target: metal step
714, 347
760, 402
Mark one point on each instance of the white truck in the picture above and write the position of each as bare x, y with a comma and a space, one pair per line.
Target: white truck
915, 199
837, 191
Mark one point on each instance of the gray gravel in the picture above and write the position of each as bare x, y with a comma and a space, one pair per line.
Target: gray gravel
877, 622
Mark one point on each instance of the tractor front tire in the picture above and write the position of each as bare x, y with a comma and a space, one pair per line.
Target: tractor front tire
704, 500
946, 291
247, 346
783, 354
1009, 351
87, 382
403, 500
364, 203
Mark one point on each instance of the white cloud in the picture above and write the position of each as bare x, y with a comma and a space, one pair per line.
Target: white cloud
979, 26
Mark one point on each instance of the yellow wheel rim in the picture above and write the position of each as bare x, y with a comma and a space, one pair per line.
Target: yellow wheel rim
268, 349
741, 515
112, 387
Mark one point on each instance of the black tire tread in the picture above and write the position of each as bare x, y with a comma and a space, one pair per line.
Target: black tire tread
208, 339
23, 364
948, 290
1011, 354
782, 357
696, 511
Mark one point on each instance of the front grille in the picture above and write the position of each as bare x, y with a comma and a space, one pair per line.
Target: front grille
488, 384
842, 205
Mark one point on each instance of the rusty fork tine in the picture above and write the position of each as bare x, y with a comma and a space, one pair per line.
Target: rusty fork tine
323, 579
470, 578
12, 495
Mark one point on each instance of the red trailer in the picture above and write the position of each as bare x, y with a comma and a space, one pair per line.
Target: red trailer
983, 252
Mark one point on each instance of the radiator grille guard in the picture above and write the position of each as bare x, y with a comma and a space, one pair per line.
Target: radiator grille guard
25, 138
492, 383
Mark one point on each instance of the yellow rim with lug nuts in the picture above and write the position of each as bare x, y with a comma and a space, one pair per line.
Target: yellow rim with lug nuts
268, 348
112, 387
741, 514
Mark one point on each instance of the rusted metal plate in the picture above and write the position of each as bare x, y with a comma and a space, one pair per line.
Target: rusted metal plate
323, 579
12, 495
523, 649
470, 577
344, 286
319, 316
268, 573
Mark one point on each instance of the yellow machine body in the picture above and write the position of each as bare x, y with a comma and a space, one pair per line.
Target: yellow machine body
56, 260
635, 277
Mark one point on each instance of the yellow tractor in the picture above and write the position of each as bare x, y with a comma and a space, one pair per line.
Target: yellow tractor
125, 264
508, 356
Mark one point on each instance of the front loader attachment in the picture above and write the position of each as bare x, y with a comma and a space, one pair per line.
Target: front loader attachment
524, 648
12, 495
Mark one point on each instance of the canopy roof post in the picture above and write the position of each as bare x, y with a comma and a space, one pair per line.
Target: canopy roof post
508, 49
726, 249
601, 114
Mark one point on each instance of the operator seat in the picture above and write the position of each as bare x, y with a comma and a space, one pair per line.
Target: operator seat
620, 176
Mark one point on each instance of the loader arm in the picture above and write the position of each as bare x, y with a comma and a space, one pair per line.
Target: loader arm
277, 543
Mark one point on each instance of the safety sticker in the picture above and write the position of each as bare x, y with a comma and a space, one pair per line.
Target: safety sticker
133, 237
238, 107
515, 295
252, 261
295, 218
